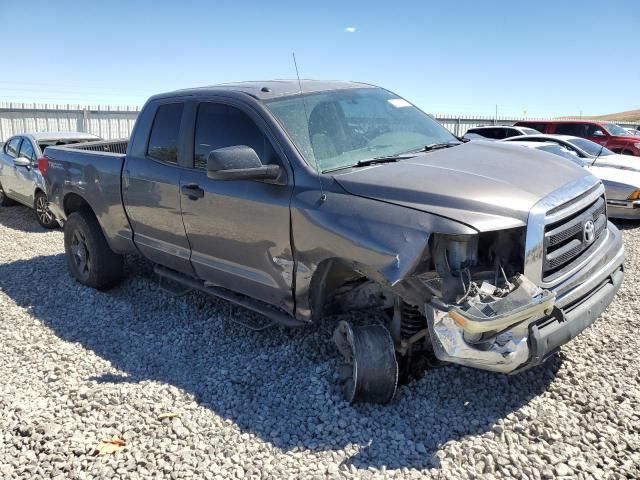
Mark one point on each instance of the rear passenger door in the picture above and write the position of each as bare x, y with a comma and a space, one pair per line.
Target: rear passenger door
151, 189
239, 230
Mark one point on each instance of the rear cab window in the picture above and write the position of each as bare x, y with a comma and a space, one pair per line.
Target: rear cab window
12, 147
165, 133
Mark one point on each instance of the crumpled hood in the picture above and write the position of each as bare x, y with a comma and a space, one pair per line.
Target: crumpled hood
488, 186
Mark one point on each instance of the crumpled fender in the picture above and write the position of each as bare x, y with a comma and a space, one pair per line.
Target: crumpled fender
382, 241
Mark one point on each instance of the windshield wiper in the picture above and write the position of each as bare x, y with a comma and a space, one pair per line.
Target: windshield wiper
395, 157
437, 146
372, 161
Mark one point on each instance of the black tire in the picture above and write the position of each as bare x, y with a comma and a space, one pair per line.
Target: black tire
89, 257
370, 369
45, 218
4, 200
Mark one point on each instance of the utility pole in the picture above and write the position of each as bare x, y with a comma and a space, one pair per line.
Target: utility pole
495, 120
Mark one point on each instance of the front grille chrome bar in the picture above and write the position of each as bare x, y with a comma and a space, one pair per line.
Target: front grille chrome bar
561, 203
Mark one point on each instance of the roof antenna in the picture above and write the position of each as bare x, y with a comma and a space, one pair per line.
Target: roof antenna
323, 195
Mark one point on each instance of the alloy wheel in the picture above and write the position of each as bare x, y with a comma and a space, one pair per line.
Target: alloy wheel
42, 210
80, 254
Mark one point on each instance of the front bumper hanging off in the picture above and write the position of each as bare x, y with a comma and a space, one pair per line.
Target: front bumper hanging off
529, 340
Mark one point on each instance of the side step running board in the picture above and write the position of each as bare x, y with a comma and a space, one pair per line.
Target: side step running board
275, 316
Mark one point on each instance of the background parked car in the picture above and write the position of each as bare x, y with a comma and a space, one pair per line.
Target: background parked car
20, 179
613, 136
586, 149
498, 132
622, 187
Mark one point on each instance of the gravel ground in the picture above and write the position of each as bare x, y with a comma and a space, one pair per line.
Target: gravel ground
77, 366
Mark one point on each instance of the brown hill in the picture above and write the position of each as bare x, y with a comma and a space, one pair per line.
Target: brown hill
628, 116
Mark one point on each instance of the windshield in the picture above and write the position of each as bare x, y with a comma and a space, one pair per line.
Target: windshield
592, 148
529, 131
617, 130
339, 128
563, 152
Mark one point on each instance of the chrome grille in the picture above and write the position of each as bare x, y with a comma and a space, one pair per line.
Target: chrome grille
565, 240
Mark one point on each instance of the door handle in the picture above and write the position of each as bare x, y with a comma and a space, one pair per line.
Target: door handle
192, 190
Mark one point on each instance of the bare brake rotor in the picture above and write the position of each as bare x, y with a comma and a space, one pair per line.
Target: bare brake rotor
370, 369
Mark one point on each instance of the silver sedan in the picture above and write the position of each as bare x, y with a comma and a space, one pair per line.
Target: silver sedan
622, 186
20, 179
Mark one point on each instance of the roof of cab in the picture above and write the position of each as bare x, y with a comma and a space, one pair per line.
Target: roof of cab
269, 89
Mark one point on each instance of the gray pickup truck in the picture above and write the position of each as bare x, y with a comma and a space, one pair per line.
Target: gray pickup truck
300, 200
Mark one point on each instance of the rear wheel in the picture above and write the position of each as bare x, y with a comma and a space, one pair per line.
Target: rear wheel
89, 257
370, 370
4, 200
44, 215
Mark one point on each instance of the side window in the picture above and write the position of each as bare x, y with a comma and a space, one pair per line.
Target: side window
570, 129
163, 140
536, 126
511, 132
27, 151
486, 132
12, 147
219, 126
590, 128
495, 133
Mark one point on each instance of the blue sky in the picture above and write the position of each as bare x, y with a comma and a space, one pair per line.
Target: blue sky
547, 58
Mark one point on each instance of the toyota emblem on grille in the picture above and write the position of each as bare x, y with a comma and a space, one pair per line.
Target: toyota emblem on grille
589, 232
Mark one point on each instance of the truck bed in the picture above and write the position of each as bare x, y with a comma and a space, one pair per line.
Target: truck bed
106, 146
91, 172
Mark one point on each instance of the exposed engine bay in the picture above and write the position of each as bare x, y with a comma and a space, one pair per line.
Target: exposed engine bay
468, 303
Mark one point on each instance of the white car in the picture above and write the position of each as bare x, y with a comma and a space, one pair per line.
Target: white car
622, 187
20, 179
497, 132
586, 149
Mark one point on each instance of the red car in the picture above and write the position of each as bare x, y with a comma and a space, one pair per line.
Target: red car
608, 134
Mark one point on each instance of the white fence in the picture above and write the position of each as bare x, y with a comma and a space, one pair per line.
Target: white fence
116, 122
105, 121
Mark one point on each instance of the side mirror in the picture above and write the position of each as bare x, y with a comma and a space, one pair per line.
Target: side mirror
598, 133
22, 162
239, 163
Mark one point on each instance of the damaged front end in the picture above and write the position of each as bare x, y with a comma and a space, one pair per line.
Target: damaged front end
481, 305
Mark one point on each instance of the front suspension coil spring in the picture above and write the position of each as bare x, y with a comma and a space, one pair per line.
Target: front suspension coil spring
412, 320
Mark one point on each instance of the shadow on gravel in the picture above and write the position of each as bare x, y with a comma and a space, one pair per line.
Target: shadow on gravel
278, 384
625, 224
19, 217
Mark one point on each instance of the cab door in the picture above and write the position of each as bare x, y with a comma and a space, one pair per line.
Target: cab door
151, 188
239, 230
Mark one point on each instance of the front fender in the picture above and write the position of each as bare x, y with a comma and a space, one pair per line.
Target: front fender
381, 241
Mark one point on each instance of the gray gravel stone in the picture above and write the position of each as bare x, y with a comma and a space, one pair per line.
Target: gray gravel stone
78, 365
